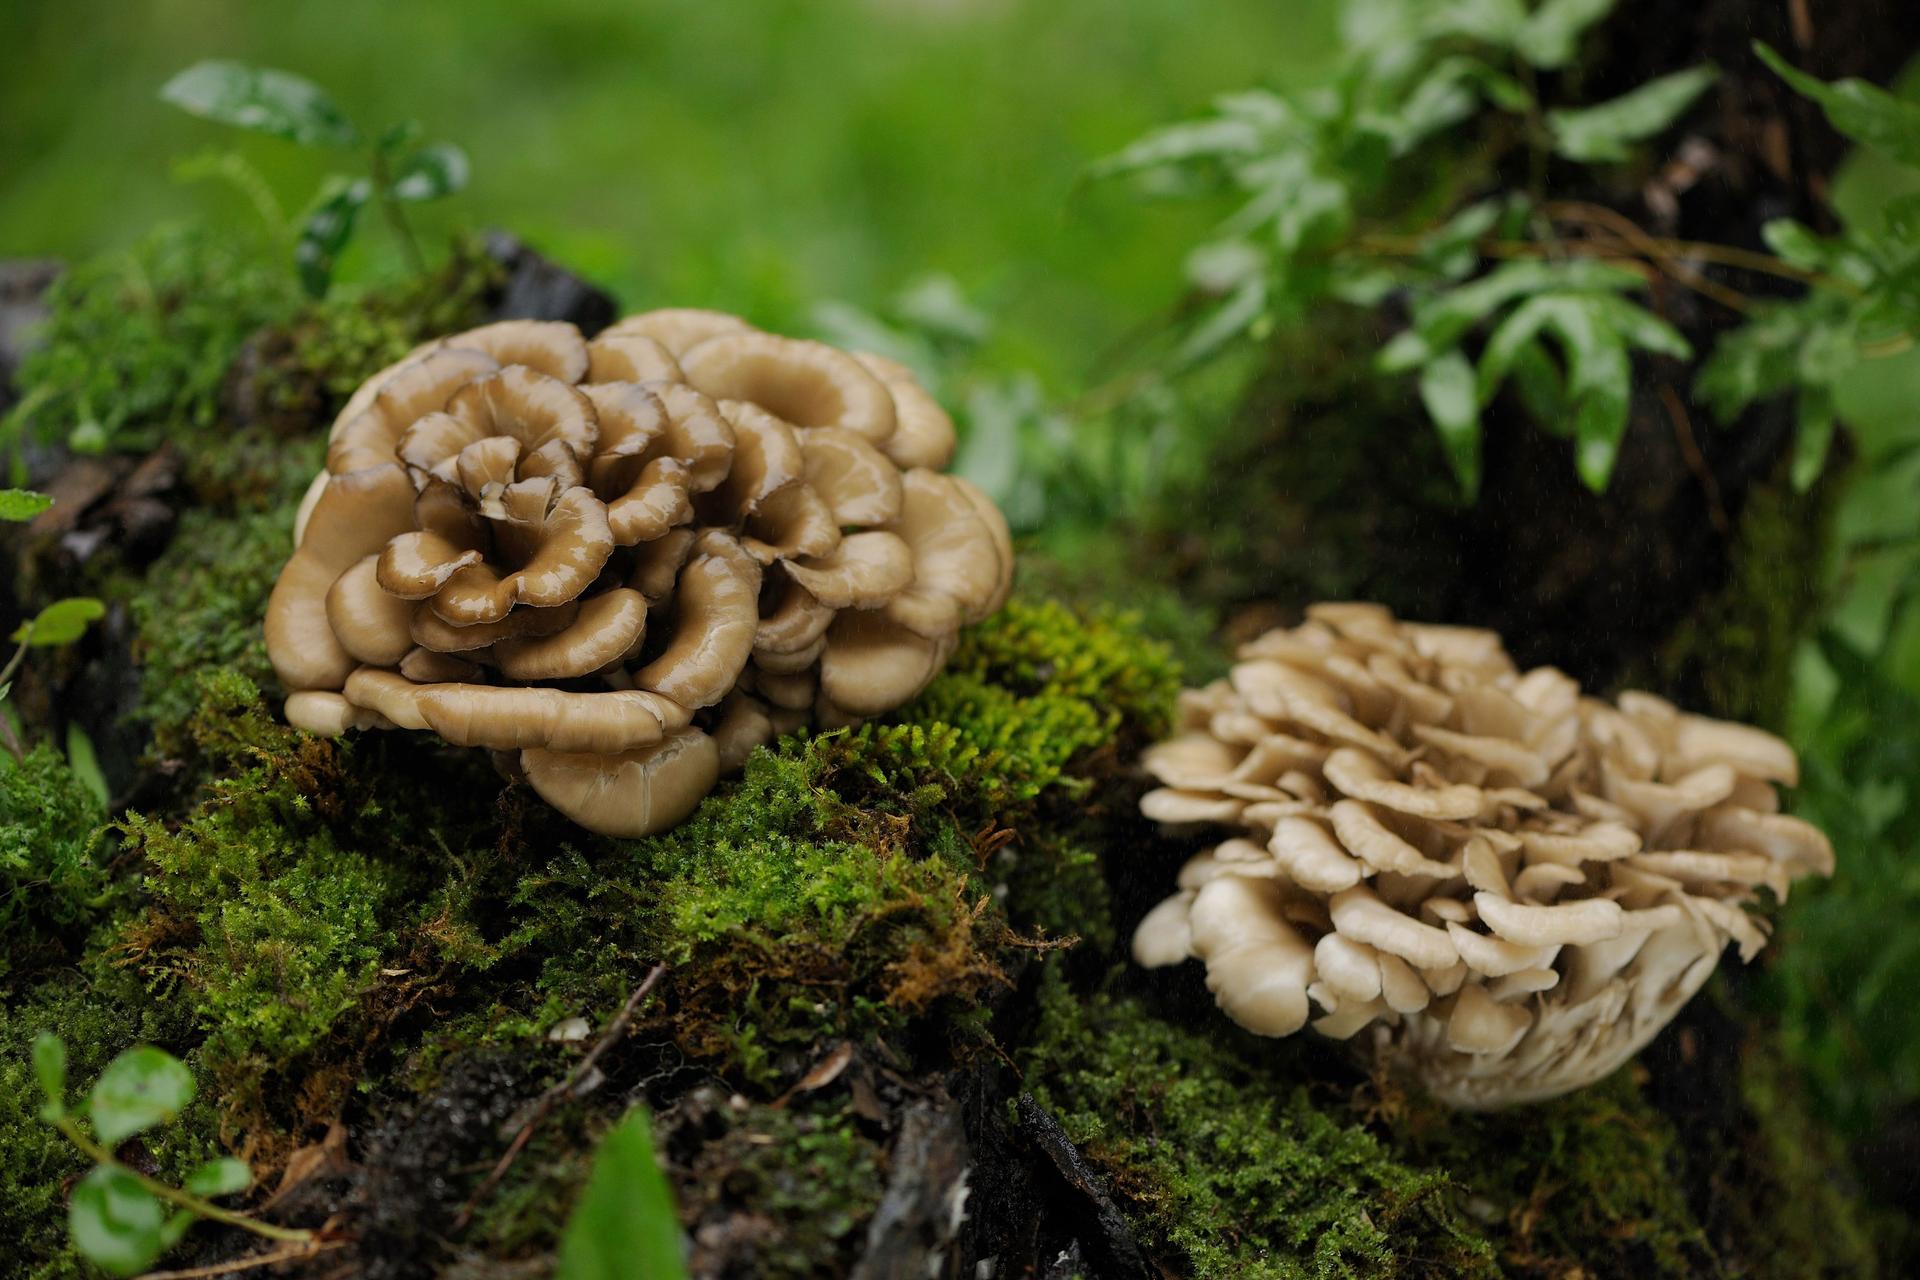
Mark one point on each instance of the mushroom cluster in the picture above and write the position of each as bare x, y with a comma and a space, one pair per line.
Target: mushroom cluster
629, 561
1510, 885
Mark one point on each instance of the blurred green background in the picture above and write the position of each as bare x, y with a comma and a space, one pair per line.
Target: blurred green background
757, 156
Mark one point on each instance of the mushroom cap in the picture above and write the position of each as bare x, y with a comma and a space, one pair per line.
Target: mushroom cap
923, 434
716, 612
872, 664
351, 519
634, 559
958, 571
1513, 885
677, 328
606, 629
627, 793
809, 384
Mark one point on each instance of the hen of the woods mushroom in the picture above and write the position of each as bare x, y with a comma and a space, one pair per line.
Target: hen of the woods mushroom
1509, 885
624, 563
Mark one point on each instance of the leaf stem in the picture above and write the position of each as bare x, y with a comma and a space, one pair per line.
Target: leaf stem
185, 1199
19, 656
396, 217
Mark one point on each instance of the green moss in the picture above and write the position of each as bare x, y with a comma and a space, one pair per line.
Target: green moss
198, 608
1795, 1216
302, 371
98, 1014
1224, 1159
1595, 1179
138, 343
809, 1170
1733, 655
52, 873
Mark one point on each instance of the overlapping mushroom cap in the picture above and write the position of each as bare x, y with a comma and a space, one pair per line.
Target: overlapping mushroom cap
1511, 885
631, 559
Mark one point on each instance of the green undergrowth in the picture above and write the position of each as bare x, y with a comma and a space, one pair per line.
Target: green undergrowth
52, 862
1248, 1158
137, 344
99, 1009
1231, 1163
1733, 655
334, 921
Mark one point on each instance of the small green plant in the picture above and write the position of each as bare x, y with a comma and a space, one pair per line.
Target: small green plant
400, 170
624, 1224
1551, 298
137, 343
118, 1217
60, 623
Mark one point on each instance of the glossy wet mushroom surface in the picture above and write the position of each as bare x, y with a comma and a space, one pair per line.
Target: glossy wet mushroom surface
1501, 884
634, 559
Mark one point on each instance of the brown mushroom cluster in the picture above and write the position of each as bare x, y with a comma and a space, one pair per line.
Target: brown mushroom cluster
628, 561
1509, 885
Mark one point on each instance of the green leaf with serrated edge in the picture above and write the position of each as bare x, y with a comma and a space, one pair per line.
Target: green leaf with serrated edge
61, 622
1603, 132
175, 1227
141, 1088
1795, 244
1864, 112
223, 1177
1542, 388
326, 230
1508, 339
624, 1224
50, 1068
85, 763
1641, 328
1233, 317
1447, 391
19, 505
1600, 379
1212, 138
115, 1222
1552, 32
1443, 320
261, 99
1813, 435
1222, 265
1751, 362
431, 172
1496, 22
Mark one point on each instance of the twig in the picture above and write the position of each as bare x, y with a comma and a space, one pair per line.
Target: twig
288, 1254
547, 1101
1696, 460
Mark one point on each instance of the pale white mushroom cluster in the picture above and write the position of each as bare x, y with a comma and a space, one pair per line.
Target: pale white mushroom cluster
629, 561
1508, 885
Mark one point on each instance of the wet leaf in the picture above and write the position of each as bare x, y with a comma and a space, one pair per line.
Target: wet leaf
1604, 132
222, 1177
432, 172
61, 622
1864, 112
328, 228
624, 1224
116, 1222
50, 1068
1447, 390
85, 763
262, 99
141, 1088
19, 505
1552, 33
